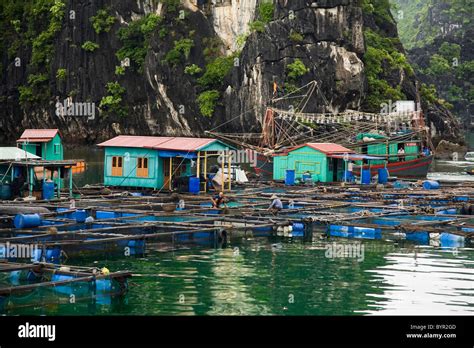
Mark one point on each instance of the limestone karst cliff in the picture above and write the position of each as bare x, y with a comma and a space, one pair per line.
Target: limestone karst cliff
183, 67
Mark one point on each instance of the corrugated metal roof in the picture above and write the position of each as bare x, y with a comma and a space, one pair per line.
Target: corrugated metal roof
185, 144
15, 154
158, 143
40, 135
327, 148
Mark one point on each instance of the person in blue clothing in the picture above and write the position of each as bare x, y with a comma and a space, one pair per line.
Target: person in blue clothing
276, 204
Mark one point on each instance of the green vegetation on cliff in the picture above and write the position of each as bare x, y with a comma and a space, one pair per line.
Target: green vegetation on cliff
437, 34
135, 39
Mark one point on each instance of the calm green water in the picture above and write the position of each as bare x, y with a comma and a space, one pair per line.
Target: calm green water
275, 277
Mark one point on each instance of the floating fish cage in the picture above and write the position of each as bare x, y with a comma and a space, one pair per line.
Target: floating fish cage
23, 284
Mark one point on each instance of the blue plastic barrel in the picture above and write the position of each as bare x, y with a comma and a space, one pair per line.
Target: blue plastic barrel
366, 176
348, 176
290, 177
298, 226
103, 285
80, 215
105, 214
27, 220
5, 192
48, 190
383, 175
430, 185
450, 240
194, 185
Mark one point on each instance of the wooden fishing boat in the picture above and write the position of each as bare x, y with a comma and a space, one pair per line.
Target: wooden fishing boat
398, 135
415, 168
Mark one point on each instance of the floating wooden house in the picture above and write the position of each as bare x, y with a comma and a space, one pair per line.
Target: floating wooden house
312, 159
20, 168
44, 143
161, 162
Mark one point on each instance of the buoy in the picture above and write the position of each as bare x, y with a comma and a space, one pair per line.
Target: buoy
105, 271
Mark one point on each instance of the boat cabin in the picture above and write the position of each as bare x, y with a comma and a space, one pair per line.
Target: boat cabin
44, 143
164, 162
393, 150
317, 160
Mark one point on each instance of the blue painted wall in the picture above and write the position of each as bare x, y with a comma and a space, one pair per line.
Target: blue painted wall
129, 172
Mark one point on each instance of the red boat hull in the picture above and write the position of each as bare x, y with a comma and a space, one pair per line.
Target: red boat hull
417, 168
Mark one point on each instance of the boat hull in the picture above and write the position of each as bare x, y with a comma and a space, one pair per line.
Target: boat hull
417, 168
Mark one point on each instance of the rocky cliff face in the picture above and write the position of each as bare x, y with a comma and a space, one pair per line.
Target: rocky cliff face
183, 67
438, 36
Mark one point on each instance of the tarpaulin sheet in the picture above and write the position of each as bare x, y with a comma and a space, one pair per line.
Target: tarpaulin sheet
168, 154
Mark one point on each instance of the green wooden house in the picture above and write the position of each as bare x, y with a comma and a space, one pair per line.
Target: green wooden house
44, 143
314, 159
157, 162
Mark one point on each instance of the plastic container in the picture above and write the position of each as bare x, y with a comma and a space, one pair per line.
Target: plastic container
27, 220
366, 176
383, 175
53, 255
103, 285
348, 176
105, 214
430, 185
419, 237
48, 190
341, 231
449, 240
80, 215
194, 185
306, 177
367, 233
5, 192
298, 226
290, 177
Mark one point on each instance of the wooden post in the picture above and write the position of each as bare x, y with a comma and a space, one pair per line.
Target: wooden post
59, 182
229, 157
222, 170
198, 170
205, 171
30, 170
70, 182
171, 174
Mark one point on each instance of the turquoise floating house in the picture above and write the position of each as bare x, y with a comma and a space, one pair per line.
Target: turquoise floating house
312, 159
162, 162
44, 143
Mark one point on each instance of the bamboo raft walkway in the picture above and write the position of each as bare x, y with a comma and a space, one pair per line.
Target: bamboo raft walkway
118, 217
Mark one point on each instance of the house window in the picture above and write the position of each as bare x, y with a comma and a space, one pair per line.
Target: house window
117, 165
142, 167
57, 149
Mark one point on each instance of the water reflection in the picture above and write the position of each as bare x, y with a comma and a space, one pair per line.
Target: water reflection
286, 277
432, 282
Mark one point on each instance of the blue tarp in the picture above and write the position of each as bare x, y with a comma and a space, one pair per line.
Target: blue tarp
168, 154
